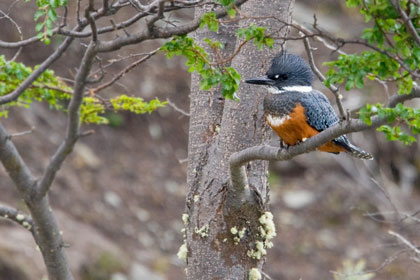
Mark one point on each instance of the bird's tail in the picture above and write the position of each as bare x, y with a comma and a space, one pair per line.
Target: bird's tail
357, 152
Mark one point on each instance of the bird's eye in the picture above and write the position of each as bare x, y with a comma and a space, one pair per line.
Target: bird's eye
282, 77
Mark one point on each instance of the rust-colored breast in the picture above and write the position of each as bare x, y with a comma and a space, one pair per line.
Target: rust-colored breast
295, 128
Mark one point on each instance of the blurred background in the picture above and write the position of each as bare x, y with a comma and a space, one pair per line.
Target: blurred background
120, 195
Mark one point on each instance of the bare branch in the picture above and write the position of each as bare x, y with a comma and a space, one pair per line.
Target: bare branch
124, 71
238, 159
410, 245
81, 24
162, 33
15, 166
317, 72
176, 108
91, 20
73, 123
14, 215
159, 14
5, 15
17, 134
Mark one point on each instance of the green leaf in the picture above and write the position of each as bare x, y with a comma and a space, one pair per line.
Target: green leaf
211, 21
231, 13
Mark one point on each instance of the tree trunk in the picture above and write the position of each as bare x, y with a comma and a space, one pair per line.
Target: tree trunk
224, 227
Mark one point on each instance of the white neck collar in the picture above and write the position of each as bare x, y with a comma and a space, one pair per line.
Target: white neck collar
303, 89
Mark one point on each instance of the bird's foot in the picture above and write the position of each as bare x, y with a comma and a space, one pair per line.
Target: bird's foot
283, 145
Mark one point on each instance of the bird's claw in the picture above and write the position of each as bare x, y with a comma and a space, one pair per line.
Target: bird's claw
283, 145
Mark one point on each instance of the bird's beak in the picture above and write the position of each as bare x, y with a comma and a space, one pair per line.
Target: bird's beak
263, 80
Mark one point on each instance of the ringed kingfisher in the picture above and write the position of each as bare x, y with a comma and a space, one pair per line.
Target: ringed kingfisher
297, 112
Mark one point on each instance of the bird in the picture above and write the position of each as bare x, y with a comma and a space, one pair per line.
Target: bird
296, 111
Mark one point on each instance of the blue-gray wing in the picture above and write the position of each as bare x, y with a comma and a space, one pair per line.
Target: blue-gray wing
321, 115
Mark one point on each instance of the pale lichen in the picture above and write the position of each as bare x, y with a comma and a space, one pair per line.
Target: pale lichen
196, 198
186, 219
234, 230
27, 225
259, 251
254, 274
203, 231
238, 234
267, 231
241, 233
20, 217
183, 251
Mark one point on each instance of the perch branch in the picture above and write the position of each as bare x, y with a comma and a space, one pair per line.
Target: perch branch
263, 152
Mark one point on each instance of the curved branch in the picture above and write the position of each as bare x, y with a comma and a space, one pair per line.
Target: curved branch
156, 33
35, 74
263, 152
14, 215
73, 123
15, 166
322, 78
124, 71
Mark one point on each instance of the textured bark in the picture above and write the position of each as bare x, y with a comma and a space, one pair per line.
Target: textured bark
45, 229
219, 128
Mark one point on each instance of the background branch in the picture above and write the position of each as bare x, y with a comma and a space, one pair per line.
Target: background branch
321, 77
125, 71
73, 122
14, 215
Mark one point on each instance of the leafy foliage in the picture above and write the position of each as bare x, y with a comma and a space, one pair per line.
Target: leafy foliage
199, 60
136, 104
257, 33
47, 87
56, 93
215, 73
210, 20
393, 55
401, 114
46, 16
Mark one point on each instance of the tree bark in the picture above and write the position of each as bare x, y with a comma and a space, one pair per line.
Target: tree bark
224, 225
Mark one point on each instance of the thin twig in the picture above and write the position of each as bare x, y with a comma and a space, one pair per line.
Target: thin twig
266, 275
124, 71
6, 15
14, 215
176, 108
91, 20
17, 134
410, 245
317, 72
